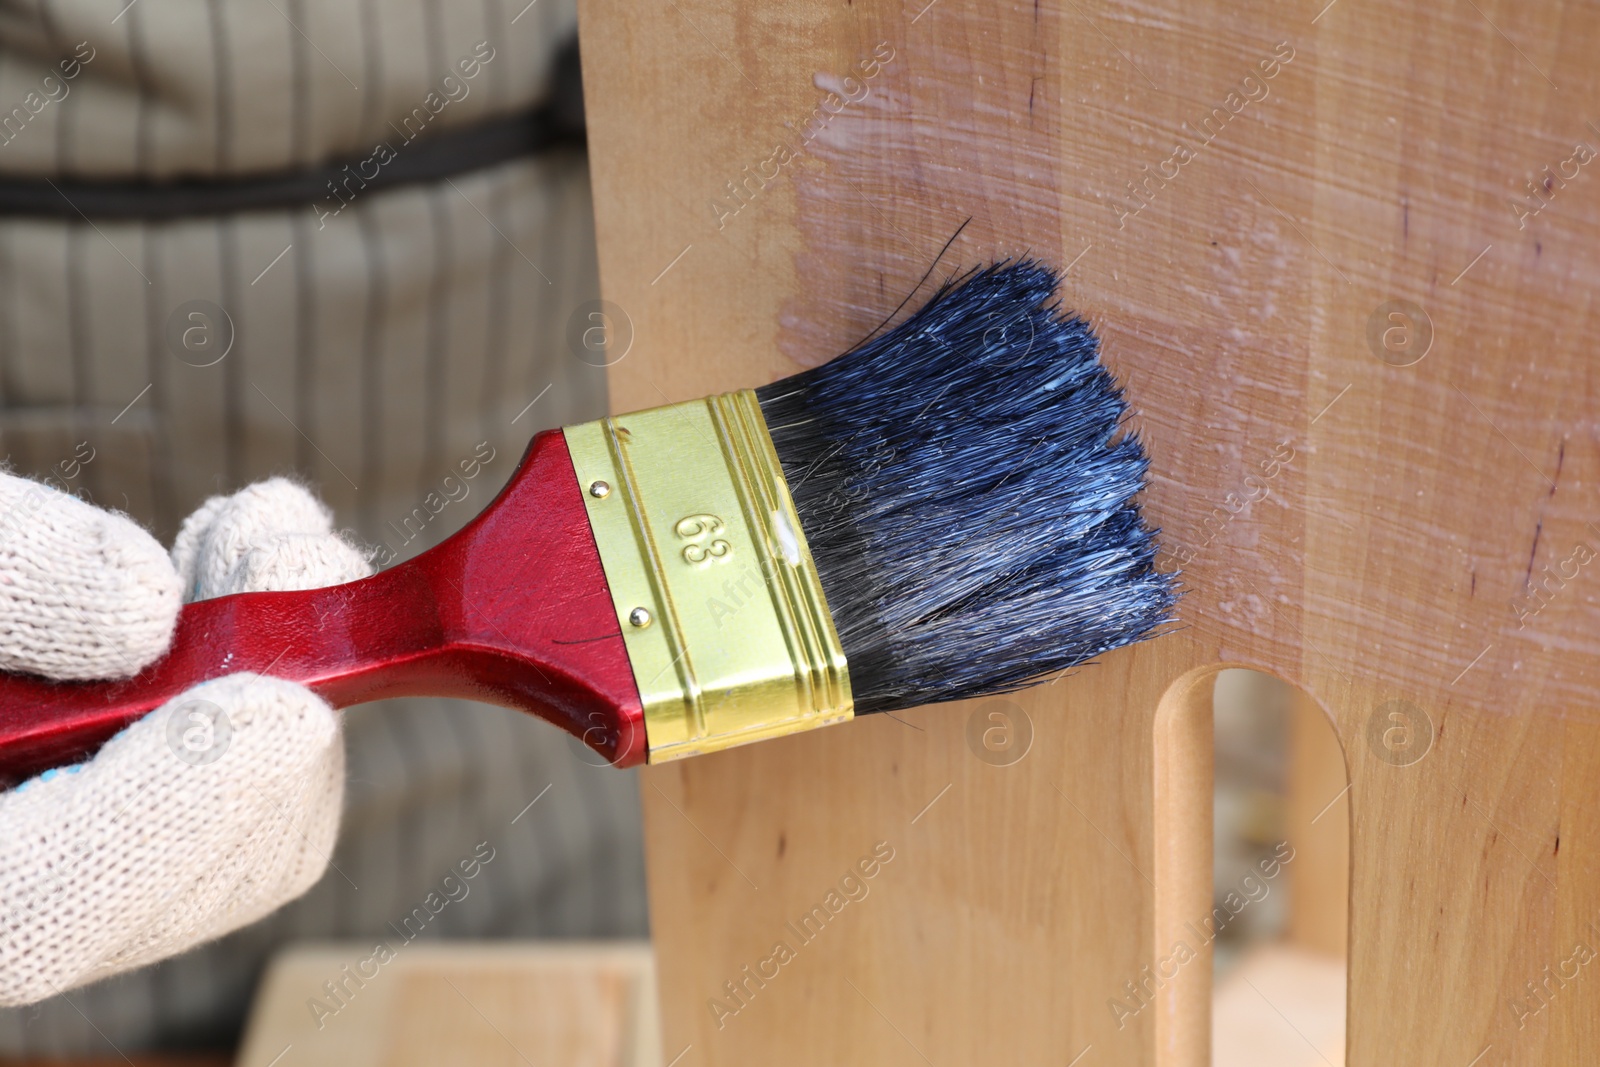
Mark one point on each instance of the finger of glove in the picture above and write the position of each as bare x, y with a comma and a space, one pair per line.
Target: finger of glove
205, 815
271, 535
84, 592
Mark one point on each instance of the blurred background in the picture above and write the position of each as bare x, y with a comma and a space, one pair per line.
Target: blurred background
210, 273
1281, 874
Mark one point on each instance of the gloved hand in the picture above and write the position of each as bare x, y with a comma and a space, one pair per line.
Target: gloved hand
210, 812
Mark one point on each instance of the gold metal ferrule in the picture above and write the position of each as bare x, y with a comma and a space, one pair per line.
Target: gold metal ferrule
716, 593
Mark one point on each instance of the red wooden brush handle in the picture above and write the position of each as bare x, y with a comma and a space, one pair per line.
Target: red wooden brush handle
513, 610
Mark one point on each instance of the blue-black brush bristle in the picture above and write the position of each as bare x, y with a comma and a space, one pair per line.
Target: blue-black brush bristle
967, 495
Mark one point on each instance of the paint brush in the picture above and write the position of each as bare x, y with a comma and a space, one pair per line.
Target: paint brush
946, 511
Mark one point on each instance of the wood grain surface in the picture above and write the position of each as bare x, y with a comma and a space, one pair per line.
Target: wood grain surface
1352, 310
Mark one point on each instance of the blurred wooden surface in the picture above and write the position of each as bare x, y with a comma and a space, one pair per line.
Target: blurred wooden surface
1301, 1025
1319, 827
489, 1004
1353, 312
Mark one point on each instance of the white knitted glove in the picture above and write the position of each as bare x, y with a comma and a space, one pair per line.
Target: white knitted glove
210, 812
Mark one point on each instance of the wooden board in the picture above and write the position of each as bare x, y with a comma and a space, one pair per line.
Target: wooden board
577, 1004
1354, 315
